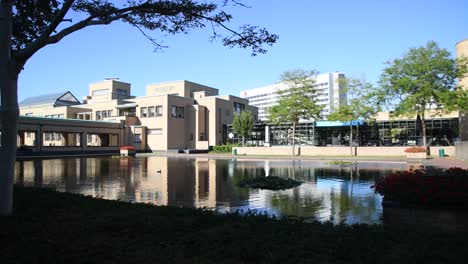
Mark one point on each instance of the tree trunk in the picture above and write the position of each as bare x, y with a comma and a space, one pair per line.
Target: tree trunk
243, 141
351, 138
423, 127
358, 139
294, 139
8, 111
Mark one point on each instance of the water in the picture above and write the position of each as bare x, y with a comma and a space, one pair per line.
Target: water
340, 194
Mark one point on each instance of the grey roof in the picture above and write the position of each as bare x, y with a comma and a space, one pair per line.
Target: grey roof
54, 99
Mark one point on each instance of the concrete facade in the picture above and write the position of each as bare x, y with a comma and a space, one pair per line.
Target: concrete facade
331, 94
171, 116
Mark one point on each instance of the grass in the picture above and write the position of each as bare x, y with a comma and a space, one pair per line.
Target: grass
51, 227
270, 183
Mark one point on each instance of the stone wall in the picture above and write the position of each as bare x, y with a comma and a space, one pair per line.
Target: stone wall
337, 151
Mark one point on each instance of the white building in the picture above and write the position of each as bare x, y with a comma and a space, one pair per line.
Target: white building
330, 92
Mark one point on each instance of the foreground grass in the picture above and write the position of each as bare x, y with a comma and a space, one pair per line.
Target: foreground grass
50, 227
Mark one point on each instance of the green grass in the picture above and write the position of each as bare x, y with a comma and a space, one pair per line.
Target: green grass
50, 227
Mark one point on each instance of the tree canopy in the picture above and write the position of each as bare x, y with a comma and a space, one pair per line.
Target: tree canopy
424, 78
298, 100
242, 124
36, 24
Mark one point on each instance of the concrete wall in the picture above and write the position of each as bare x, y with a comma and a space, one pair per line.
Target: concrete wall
336, 151
461, 150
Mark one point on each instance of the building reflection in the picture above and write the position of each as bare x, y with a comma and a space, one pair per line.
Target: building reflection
339, 194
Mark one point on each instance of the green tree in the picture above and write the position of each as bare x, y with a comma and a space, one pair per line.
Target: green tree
360, 105
28, 26
243, 124
423, 79
298, 100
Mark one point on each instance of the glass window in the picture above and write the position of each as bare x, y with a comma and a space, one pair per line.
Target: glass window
159, 110
151, 111
98, 115
104, 114
109, 113
177, 111
144, 112
121, 92
137, 138
155, 131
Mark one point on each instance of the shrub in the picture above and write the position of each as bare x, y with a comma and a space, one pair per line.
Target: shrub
270, 183
415, 150
442, 188
224, 148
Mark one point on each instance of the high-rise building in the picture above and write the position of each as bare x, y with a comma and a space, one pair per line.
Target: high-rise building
330, 94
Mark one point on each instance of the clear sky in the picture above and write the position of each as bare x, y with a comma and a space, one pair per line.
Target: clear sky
355, 37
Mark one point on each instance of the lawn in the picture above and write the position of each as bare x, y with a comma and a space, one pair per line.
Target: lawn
51, 227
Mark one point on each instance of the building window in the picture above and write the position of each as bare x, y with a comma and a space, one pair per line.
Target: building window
28, 134
151, 111
100, 92
177, 112
137, 138
159, 110
155, 131
109, 113
121, 92
98, 115
144, 112
238, 107
28, 114
104, 114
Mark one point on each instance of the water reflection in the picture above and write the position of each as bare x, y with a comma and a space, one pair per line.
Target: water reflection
339, 194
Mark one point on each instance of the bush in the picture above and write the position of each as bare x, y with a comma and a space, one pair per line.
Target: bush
442, 188
415, 150
224, 148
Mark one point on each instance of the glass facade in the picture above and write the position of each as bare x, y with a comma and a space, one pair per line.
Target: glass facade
439, 132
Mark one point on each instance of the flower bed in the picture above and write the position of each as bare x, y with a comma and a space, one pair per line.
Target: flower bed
415, 150
416, 187
416, 153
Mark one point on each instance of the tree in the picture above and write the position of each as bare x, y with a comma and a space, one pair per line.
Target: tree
423, 79
360, 104
28, 26
297, 101
242, 124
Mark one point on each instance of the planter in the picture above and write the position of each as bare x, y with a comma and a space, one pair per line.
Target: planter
437, 219
418, 156
127, 152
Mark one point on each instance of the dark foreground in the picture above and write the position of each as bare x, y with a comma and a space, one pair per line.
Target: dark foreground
51, 227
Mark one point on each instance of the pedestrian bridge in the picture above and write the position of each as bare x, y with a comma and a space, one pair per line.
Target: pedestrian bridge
40, 135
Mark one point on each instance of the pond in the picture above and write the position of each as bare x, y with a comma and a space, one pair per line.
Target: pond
340, 194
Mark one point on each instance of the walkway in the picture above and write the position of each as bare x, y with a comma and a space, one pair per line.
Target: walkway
446, 163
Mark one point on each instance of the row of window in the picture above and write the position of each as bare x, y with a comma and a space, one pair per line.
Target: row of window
104, 113
151, 111
55, 116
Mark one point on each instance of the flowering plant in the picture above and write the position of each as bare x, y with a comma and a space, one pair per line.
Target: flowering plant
127, 148
442, 188
415, 150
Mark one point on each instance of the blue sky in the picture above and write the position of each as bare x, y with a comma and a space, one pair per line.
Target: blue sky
355, 37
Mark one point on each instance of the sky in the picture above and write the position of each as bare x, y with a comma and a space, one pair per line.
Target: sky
355, 37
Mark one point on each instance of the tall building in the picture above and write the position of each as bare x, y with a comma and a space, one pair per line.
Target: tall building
330, 94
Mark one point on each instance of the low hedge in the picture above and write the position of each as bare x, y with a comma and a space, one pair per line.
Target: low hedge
224, 148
